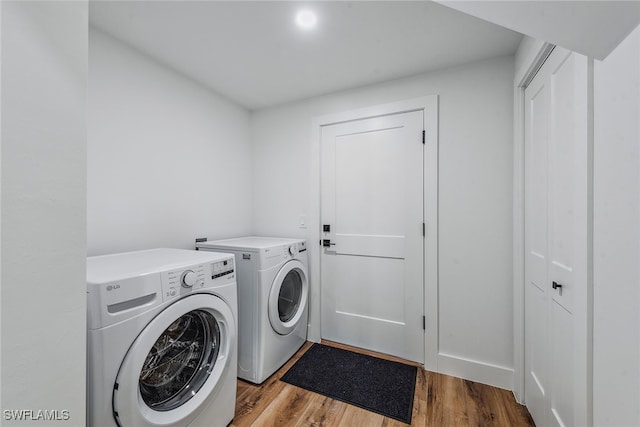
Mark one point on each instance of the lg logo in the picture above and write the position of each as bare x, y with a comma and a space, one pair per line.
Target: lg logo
112, 287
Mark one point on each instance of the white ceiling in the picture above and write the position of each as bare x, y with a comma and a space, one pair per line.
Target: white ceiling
253, 54
592, 28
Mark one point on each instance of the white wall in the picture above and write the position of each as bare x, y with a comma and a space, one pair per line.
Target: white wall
44, 76
475, 196
168, 160
616, 334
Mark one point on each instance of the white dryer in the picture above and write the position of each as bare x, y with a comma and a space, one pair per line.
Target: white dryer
161, 339
273, 290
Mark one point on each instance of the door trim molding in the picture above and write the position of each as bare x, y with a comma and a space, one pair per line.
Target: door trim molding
429, 106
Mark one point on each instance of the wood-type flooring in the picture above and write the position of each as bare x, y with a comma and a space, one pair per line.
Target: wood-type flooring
440, 400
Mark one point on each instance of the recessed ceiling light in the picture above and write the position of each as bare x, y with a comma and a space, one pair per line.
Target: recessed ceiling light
306, 19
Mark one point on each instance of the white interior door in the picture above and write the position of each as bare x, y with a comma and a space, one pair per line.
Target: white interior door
372, 203
556, 241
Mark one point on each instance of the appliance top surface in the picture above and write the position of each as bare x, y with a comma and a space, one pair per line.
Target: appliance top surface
119, 266
249, 243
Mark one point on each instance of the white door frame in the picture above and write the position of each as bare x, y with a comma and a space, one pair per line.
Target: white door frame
429, 106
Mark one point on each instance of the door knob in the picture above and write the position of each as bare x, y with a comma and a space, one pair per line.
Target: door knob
326, 243
558, 286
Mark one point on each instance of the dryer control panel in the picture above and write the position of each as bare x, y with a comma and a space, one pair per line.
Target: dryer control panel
296, 248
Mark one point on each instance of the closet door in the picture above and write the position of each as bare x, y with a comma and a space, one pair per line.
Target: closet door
557, 244
536, 247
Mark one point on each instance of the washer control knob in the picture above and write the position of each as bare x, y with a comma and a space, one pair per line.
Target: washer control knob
293, 251
188, 279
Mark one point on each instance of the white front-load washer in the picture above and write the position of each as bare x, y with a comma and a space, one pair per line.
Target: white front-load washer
161, 339
273, 290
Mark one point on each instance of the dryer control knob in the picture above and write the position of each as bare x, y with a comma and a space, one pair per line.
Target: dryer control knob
188, 279
293, 251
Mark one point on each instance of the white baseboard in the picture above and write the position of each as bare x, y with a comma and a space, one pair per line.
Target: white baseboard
473, 370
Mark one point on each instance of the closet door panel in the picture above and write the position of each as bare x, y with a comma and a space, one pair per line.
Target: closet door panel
561, 396
536, 184
537, 355
537, 345
562, 180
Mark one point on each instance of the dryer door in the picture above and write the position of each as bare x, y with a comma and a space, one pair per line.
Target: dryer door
288, 297
175, 363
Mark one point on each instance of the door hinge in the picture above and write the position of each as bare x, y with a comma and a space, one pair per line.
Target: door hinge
424, 323
424, 136
424, 230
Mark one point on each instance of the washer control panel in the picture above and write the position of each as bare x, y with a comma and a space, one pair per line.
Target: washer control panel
222, 268
189, 279
177, 282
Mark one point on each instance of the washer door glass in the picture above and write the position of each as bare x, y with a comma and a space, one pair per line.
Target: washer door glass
290, 296
180, 361
183, 355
